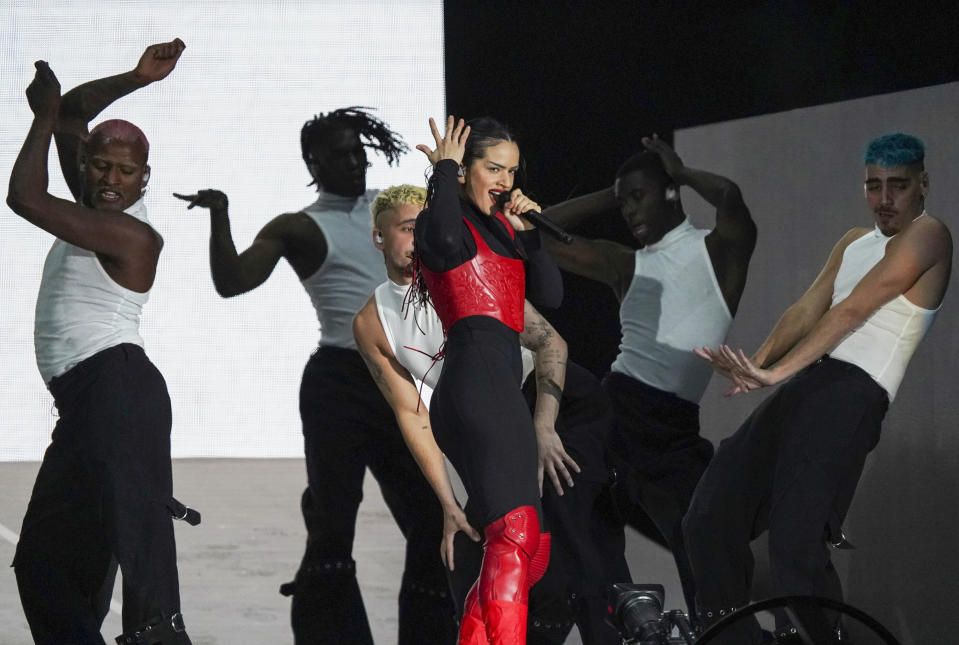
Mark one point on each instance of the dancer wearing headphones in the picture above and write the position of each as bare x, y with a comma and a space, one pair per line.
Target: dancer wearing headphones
682, 284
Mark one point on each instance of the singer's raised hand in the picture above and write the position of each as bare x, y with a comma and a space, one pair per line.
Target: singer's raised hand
452, 145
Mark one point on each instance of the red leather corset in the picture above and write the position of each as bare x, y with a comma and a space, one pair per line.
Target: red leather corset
488, 285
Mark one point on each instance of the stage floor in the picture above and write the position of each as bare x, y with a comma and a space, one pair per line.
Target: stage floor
250, 542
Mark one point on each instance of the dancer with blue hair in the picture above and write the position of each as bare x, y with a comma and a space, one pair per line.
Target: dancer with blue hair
895, 149
792, 468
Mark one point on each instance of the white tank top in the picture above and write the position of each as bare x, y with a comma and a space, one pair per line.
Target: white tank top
884, 343
80, 309
673, 304
416, 336
353, 267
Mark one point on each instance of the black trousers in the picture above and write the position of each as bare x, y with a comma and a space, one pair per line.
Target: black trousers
101, 498
659, 454
481, 421
347, 427
587, 535
791, 469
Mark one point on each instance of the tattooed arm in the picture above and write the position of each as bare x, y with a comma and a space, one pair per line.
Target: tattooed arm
550, 354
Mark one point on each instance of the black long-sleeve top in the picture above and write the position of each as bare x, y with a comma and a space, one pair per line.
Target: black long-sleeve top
443, 241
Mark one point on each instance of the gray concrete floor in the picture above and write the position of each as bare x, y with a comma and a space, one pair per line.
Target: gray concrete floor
250, 542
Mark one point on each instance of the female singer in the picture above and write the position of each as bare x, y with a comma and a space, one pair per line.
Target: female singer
478, 257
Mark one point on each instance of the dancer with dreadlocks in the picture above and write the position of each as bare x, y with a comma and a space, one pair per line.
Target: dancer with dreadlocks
347, 424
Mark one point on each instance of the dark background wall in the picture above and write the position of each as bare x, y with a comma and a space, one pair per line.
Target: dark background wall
582, 82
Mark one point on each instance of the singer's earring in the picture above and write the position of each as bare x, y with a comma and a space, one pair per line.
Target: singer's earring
461, 172
671, 194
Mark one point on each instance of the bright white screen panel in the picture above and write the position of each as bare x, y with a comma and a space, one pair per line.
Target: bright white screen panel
228, 117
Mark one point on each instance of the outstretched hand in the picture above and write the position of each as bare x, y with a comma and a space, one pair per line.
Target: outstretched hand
452, 145
737, 367
43, 93
454, 521
158, 60
671, 160
213, 199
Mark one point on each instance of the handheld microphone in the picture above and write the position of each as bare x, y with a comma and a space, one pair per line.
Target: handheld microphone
542, 223
548, 226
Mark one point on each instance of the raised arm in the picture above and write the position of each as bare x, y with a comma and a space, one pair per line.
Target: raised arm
549, 358
577, 210
398, 388
601, 260
292, 236
83, 103
732, 241
439, 228
130, 247
733, 219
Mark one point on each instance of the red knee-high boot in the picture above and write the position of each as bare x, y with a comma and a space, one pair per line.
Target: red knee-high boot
513, 543
472, 628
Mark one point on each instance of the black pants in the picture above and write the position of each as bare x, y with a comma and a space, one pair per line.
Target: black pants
791, 469
587, 536
481, 420
101, 498
659, 455
347, 427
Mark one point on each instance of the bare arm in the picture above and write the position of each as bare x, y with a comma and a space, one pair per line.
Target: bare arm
235, 273
83, 103
601, 260
908, 258
732, 241
791, 327
398, 388
122, 239
550, 356
802, 316
733, 220
734, 223
577, 210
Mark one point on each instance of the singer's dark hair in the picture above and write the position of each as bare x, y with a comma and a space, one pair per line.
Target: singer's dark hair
373, 132
648, 163
484, 132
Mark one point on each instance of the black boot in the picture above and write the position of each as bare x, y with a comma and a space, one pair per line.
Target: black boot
166, 631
